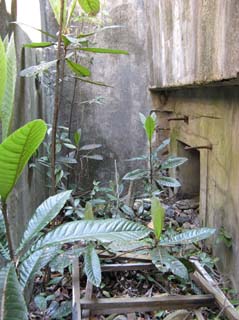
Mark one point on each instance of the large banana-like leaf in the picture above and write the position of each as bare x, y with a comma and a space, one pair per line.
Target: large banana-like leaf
92, 230
189, 236
3, 72
8, 99
44, 214
158, 214
34, 263
13, 306
164, 262
92, 266
16, 150
91, 7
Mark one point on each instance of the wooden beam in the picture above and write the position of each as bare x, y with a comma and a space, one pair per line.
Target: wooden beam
127, 267
221, 300
143, 304
76, 306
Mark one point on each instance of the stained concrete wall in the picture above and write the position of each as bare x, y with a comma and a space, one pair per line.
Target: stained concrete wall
213, 120
195, 44
194, 41
115, 124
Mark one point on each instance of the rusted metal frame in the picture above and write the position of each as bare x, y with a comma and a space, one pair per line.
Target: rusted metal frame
208, 147
144, 304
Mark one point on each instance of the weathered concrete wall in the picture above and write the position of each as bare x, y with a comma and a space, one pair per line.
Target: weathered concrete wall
192, 41
213, 119
115, 124
195, 43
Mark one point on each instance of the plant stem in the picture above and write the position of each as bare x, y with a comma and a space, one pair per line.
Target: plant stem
150, 163
8, 232
117, 185
56, 103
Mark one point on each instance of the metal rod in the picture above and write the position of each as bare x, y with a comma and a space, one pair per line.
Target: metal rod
208, 147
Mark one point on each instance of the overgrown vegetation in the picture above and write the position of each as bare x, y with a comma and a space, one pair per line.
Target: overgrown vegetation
69, 224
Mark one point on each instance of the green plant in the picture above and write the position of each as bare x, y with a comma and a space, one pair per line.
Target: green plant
70, 45
162, 247
37, 248
70, 155
157, 173
8, 73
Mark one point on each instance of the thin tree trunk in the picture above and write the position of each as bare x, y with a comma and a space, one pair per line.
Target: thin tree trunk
57, 102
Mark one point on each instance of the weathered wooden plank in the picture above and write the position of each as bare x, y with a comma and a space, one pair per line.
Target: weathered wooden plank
88, 295
127, 267
126, 256
76, 306
211, 287
143, 304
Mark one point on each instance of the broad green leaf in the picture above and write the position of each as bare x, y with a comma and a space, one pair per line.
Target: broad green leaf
103, 50
78, 68
36, 29
40, 302
92, 266
8, 99
91, 7
149, 127
189, 236
136, 174
164, 262
90, 147
64, 310
56, 8
35, 70
35, 261
88, 212
107, 230
158, 214
164, 144
13, 306
4, 252
70, 12
43, 215
140, 158
168, 182
3, 72
97, 157
38, 45
77, 137
142, 118
173, 162
126, 246
16, 150
64, 259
